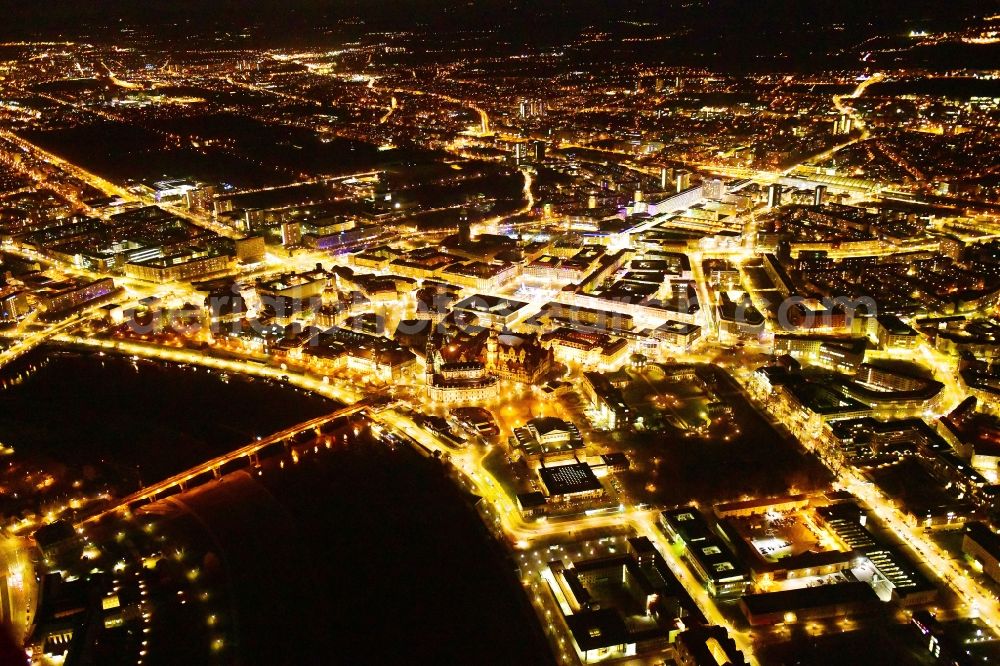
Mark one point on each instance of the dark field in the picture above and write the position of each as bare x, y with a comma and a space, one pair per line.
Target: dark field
215, 147
120, 152
953, 87
758, 461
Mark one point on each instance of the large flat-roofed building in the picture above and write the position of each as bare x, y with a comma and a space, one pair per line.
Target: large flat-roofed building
570, 483
171, 189
809, 603
134, 235
779, 276
983, 545
531, 504
490, 311
301, 286
677, 333
893, 333
607, 399
65, 297
481, 274
360, 234
760, 507
709, 556
554, 268
590, 349
913, 442
893, 393
560, 314
707, 646
807, 404
684, 199
192, 264
840, 353
776, 542
895, 576
14, 305
621, 605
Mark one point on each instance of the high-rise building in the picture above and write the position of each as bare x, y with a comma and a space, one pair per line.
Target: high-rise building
713, 188
291, 234
538, 148
665, 174
531, 108
14, 306
201, 198
843, 124
683, 177
774, 195
464, 225
250, 250
818, 195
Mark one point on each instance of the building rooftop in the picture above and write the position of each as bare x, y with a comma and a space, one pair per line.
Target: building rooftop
489, 304
677, 327
548, 435
987, 539
569, 479
711, 552
894, 325
597, 629
807, 598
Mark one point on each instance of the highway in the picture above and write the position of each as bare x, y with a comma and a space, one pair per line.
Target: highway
18, 587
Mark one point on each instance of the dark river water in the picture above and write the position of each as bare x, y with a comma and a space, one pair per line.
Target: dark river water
141, 419
356, 554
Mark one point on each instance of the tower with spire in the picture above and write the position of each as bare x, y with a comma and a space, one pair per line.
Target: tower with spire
430, 354
492, 349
